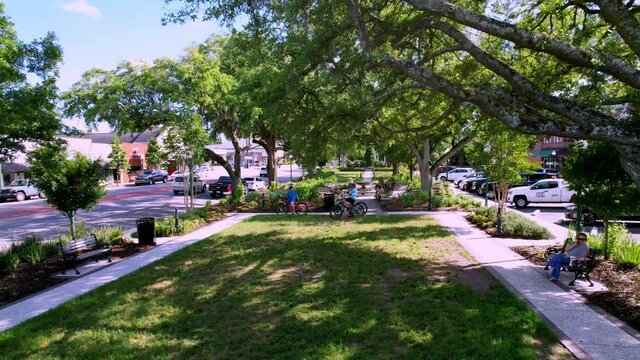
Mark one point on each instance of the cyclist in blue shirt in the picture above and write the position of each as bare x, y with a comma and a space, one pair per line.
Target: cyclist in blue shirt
292, 197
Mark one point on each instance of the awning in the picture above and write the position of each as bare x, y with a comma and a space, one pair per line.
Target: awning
543, 153
13, 168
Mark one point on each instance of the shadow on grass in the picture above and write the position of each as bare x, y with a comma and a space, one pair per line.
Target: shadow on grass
289, 288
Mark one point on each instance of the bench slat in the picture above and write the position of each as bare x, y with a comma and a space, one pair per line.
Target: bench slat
93, 253
79, 244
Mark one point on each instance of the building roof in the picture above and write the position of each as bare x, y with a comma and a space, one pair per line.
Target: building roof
131, 138
12, 168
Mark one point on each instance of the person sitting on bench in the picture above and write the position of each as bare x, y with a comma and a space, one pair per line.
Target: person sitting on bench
580, 250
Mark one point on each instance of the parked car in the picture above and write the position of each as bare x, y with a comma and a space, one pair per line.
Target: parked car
455, 174
150, 177
174, 175
20, 190
544, 191
443, 169
459, 182
179, 185
254, 183
590, 218
264, 172
462, 184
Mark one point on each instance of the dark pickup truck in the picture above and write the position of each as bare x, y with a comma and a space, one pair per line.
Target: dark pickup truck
221, 187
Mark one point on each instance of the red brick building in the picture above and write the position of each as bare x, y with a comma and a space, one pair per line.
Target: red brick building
550, 152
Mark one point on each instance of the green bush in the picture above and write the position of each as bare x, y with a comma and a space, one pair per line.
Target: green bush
623, 248
252, 196
110, 235
33, 250
417, 198
514, 225
517, 226
377, 168
627, 252
9, 262
404, 178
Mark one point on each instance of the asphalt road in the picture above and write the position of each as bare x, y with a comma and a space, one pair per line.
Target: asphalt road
121, 206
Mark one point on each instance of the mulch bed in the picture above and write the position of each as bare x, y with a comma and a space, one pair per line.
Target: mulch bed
623, 298
30, 279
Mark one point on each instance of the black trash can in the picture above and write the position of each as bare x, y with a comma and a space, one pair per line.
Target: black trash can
329, 201
146, 231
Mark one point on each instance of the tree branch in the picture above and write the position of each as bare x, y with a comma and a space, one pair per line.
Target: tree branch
533, 40
617, 14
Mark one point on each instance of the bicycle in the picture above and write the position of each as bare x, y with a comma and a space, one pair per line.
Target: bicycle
285, 208
358, 209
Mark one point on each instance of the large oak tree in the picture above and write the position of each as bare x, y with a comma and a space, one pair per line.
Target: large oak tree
551, 68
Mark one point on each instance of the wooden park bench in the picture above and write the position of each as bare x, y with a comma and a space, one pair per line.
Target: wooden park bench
75, 251
581, 268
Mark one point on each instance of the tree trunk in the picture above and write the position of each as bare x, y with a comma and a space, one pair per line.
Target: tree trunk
192, 190
72, 224
395, 169
605, 245
268, 142
225, 164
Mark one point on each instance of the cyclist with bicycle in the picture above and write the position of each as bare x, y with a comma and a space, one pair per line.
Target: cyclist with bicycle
292, 197
353, 195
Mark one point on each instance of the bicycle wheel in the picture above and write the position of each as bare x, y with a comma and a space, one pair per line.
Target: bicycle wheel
357, 211
363, 206
302, 208
282, 209
336, 212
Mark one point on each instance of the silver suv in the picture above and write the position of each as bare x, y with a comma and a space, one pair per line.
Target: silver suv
20, 190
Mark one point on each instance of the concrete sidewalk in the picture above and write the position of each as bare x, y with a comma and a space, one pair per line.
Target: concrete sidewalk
13, 315
588, 334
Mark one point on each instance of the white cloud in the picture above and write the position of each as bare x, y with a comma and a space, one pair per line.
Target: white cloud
81, 6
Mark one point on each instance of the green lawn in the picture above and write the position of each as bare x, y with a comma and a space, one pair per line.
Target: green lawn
296, 287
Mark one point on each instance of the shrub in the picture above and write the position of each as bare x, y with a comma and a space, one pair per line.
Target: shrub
627, 252
252, 196
415, 198
33, 250
110, 235
9, 262
513, 225
405, 178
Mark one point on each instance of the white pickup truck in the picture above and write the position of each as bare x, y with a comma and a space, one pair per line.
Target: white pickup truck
544, 191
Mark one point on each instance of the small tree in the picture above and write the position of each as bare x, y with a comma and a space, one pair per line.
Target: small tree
118, 158
156, 156
502, 154
594, 171
69, 185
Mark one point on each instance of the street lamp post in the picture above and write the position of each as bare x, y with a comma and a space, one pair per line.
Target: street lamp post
553, 156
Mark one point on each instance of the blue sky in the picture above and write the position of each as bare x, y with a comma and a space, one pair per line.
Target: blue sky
102, 33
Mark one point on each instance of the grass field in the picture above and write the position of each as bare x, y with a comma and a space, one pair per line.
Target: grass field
297, 288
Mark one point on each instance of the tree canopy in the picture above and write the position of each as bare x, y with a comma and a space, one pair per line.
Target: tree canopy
28, 72
546, 68
69, 184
